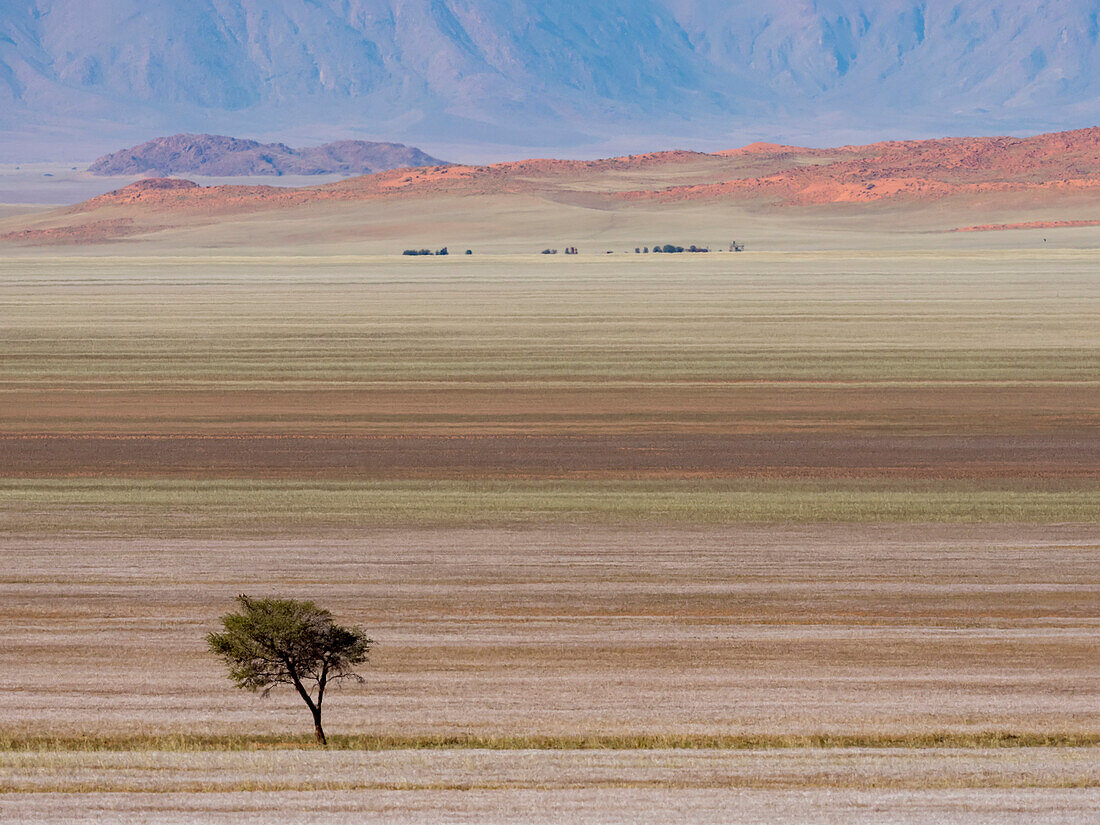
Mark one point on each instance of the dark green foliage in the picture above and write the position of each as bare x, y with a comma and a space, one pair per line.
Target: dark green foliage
672, 248
287, 642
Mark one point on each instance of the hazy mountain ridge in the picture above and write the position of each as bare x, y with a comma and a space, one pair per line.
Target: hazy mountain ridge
223, 156
521, 73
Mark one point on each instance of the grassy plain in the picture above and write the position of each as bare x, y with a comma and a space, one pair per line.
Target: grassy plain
878, 630
736, 500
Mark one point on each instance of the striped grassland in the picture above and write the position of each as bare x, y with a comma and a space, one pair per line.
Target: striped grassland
652, 530
177, 507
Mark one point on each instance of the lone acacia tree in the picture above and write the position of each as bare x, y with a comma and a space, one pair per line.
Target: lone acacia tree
287, 642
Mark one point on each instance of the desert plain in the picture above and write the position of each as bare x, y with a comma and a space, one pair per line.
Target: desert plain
809, 532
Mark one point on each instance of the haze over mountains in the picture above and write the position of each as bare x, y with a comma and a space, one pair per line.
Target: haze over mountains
507, 77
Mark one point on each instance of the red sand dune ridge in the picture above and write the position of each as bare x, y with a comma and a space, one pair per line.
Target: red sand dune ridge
809, 189
927, 169
502, 178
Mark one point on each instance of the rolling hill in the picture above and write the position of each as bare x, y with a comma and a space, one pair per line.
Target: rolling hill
933, 185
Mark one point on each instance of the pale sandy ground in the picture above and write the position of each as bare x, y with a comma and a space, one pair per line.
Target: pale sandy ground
1046, 785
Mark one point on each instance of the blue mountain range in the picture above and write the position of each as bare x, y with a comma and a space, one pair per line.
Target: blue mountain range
501, 77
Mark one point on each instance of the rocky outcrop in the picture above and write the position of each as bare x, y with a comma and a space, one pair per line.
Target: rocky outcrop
222, 156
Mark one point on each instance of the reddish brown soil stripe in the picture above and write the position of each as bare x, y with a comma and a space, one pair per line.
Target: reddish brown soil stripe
719, 409
1001, 227
614, 456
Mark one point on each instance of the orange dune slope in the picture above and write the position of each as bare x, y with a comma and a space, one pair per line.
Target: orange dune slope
916, 170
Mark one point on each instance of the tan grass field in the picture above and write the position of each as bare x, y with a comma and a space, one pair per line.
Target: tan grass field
798, 630
737, 501
1048, 785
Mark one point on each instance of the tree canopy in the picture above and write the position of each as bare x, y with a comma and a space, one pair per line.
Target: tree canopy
274, 642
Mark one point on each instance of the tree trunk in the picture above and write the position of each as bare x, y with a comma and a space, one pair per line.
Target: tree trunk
317, 729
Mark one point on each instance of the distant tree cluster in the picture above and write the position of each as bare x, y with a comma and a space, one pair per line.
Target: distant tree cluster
669, 249
666, 249
442, 251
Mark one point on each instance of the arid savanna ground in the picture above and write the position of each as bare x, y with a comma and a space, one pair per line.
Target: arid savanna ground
805, 536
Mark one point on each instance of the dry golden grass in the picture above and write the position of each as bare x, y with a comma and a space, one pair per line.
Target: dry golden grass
184, 743
727, 367
216, 509
815, 786
826, 502
878, 631
331, 323
236, 772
